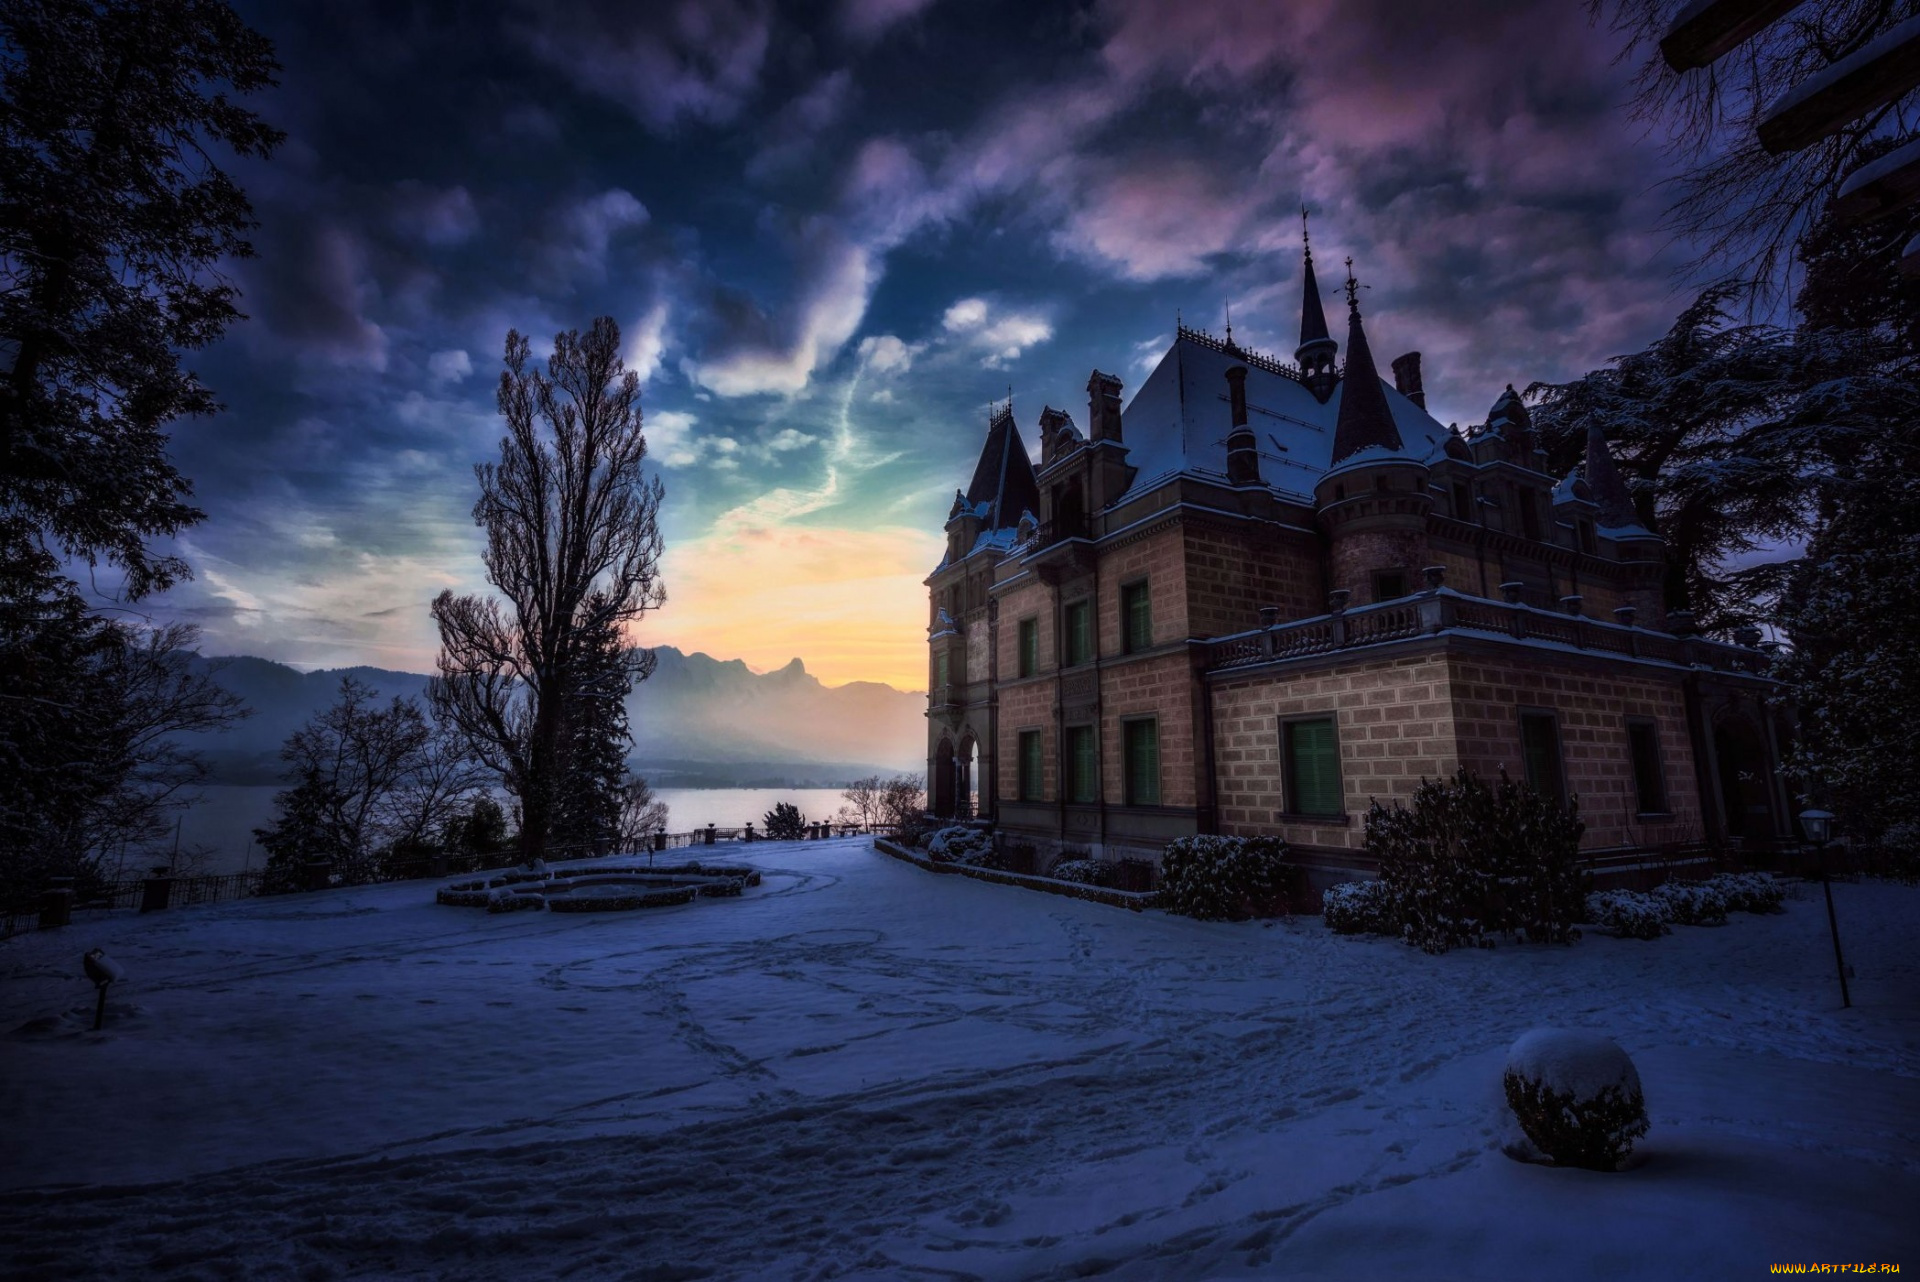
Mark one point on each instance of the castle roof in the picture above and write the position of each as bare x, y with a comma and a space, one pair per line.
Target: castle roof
1365, 421
1003, 484
1179, 418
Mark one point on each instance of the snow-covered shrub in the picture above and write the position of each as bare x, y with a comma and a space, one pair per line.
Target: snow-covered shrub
508, 901
1749, 892
1692, 903
1471, 859
1086, 872
723, 889
1358, 908
469, 896
620, 903
958, 844
1627, 914
1576, 1096
1227, 878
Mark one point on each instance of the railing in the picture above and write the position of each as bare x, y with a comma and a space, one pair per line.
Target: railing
1444, 610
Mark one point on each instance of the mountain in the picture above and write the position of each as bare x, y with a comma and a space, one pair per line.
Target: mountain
697, 722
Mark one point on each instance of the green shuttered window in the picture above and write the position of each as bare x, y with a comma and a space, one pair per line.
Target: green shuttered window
1142, 740
1079, 629
1136, 615
1029, 647
1313, 767
1540, 749
1083, 767
1031, 776
1649, 783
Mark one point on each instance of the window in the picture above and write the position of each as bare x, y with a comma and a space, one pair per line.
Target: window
1142, 739
1463, 501
940, 668
1389, 584
1083, 766
1540, 750
1079, 632
1029, 647
1136, 617
1312, 758
1587, 544
1649, 783
1529, 514
1032, 780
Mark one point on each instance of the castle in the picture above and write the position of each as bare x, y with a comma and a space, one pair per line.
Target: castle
1264, 594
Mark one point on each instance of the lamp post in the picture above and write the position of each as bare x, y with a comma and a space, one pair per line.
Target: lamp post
1818, 823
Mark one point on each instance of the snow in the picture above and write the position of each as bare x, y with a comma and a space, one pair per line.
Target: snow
1572, 1062
863, 1070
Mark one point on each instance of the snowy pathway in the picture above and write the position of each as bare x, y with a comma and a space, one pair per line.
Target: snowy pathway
863, 1070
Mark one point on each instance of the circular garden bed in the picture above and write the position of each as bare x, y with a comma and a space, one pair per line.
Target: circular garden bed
597, 890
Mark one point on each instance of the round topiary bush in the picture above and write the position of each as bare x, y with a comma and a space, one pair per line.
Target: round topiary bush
1227, 878
1359, 908
1576, 1096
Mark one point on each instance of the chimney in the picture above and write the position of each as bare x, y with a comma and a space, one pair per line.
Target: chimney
1243, 452
1103, 407
1237, 393
1406, 378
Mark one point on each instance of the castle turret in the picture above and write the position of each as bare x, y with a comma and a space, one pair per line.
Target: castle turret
1317, 348
1373, 501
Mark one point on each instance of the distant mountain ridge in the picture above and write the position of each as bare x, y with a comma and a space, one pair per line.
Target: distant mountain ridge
697, 722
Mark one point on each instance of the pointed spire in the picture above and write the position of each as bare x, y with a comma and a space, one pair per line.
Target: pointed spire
1313, 317
1003, 479
1604, 482
1365, 418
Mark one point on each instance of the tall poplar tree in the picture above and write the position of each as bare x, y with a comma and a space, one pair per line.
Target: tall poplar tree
573, 548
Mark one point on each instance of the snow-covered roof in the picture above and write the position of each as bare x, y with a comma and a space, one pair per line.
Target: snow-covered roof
1179, 418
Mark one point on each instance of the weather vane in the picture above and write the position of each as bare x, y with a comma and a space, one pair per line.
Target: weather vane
1306, 237
1353, 286
1229, 324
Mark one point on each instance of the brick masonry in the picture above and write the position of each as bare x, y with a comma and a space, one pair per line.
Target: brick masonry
1425, 715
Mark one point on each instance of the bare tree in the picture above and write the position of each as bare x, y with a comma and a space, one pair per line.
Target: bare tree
1744, 206
350, 766
641, 815
573, 546
863, 798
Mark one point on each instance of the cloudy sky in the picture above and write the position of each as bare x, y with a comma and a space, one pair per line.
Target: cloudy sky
831, 235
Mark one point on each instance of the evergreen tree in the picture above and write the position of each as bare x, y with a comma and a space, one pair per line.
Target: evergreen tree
1716, 426
1852, 661
114, 218
588, 803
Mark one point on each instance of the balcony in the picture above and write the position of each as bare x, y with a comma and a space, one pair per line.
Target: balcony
1446, 611
1062, 549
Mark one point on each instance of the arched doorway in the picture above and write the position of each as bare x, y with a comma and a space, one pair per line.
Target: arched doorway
1740, 750
941, 784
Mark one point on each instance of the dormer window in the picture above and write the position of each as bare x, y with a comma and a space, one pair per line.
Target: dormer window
1529, 515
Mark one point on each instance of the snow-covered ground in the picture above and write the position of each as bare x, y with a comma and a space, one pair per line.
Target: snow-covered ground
865, 1070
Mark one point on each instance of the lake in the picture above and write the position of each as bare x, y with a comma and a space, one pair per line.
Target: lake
223, 824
